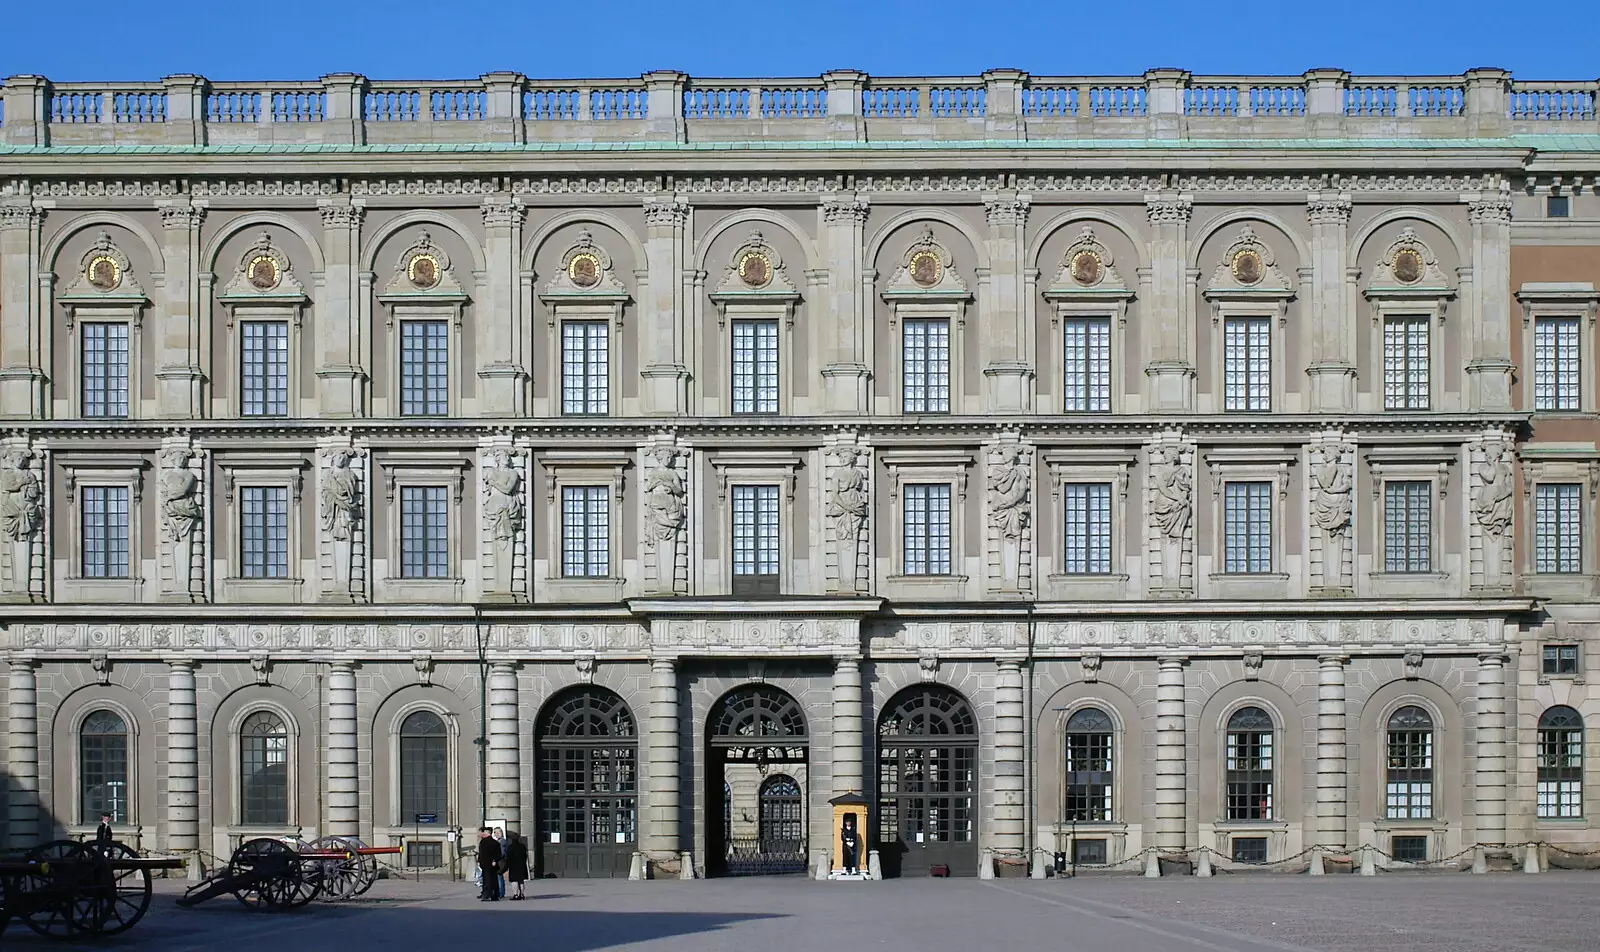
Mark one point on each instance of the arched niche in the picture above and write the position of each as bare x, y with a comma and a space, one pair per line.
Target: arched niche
100, 336
580, 288
1406, 268
420, 292
1251, 286
260, 285
927, 277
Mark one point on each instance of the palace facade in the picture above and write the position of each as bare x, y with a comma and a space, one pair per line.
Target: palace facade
1064, 465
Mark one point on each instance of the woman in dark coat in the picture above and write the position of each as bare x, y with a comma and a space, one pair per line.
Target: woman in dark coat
517, 862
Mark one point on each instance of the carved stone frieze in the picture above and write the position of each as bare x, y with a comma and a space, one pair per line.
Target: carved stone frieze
763, 635
1168, 210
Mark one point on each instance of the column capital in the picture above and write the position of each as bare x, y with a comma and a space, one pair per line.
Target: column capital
838, 210
1329, 209
1172, 661
503, 667
1168, 209
180, 664
181, 215
343, 667
663, 664
1006, 211
22, 661
666, 211
338, 215
502, 211
1492, 657
1009, 664
847, 661
20, 216
1333, 660
1489, 211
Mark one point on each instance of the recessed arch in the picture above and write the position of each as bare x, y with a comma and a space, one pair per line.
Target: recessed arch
754, 711
542, 234
910, 217
381, 237
1222, 220
753, 731
1065, 219
52, 250
766, 215
220, 239
586, 756
1359, 239
927, 782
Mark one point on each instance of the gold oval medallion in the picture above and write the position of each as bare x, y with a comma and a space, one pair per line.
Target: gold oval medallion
1407, 266
584, 270
926, 268
1086, 267
1247, 268
103, 273
755, 269
423, 270
263, 273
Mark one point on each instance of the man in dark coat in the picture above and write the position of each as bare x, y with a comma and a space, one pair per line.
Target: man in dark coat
102, 833
517, 863
489, 857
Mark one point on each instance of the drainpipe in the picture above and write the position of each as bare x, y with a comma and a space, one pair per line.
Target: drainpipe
1030, 745
482, 740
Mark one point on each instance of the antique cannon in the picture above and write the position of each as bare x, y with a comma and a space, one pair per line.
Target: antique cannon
71, 890
277, 875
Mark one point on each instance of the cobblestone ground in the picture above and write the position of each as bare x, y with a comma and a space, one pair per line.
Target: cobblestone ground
1437, 912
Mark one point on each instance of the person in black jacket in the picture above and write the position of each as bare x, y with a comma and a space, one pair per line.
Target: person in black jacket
517, 862
489, 857
102, 833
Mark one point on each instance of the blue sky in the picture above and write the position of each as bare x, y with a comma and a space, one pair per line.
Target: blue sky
454, 39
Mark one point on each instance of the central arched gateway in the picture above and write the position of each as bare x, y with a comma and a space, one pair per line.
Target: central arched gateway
588, 784
756, 757
928, 783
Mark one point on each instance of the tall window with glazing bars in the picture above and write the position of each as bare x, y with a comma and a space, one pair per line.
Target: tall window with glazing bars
1560, 777
1089, 770
1407, 526
424, 532
1249, 765
424, 368
925, 508
585, 368
1088, 528
104, 368
1247, 527
103, 527
755, 366
1556, 368
925, 365
585, 531
1408, 773
1558, 528
264, 368
1247, 363
1405, 362
1087, 353
755, 540
264, 531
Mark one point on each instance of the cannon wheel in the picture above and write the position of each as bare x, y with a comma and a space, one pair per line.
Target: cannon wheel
124, 893
288, 882
58, 900
349, 876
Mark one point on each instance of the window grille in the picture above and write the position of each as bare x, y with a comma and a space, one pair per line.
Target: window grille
104, 367
264, 770
1560, 660
1407, 526
1089, 767
1556, 379
1558, 528
1088, 528
1249, 765
1087, 350
264, 531
424, 532
1409, 771
103, 518
103, 767
1560, 779
755, 540
1405, 363
585, 531
424, 766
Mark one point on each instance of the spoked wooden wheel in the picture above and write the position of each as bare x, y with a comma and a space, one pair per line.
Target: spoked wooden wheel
269, 872
346, 877
58, 898
124, 894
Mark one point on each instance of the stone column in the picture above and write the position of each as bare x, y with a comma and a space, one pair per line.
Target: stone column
1171, 819
1489, 771
505, 799
22, 357
344, 794
1489, 366
341, 380
1332, 768
22, 755
663, 330
1170, 309
1009, 752
661, 805
1333, 345
847, 739
499, 318
178, 335
1006, 341
183, 765
845, 332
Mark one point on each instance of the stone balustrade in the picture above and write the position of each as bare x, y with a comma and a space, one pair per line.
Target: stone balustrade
509, 109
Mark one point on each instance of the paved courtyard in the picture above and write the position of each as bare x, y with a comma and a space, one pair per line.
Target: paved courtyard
1447, 912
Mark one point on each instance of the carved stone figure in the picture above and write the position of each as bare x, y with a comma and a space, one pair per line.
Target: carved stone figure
181, 512
1491, 503
21, 515
1331, 482
847, 509
502, 485
1010, 488
1170, 505
341, 497
666, 510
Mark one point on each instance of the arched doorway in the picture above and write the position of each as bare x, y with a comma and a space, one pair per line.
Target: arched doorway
928, 783
588, 787
756, 757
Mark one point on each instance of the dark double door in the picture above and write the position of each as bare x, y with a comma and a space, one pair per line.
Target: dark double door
588, 788
927, 784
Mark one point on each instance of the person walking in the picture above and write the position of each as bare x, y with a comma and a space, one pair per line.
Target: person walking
489, 856
500, 837
517, 863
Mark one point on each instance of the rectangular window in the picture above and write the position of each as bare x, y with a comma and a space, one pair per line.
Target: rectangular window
1088, 852
264, 531
925, 508
421, 855
424, 368
1247, 527
104, 525
1088, 365
1405, 363
1557, 206
1560, 660
1555, 363
1409, 849
1249, 849
755, 367
755, 540
1407, 526
424, 532
1558, 528
264, 368
105, 369
585, 531
925, 359
1088, 529
1247, 363
585, 367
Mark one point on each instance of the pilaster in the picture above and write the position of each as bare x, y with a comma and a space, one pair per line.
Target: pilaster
1171, 818
847, 740
1170, 369
22, 330
663, 332
500, 322
661, 803
1333, 343
1333, 778
183, 774
27, 110
1489, 367
178, 337
1489, 768
344, 799
845, 337
1007, 341
341, 378
504, 796
22, 754
1009, 752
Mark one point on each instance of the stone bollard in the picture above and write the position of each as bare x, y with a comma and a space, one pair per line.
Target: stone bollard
874, 865
821, 865
194, 869
1203, 867
1530, 858
1316, 868
1041, 865
1369, 866
1480, 861
686, 866
1152, 865
986, 865
636, 868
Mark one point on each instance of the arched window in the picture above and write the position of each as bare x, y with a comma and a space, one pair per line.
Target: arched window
587, 749
424, 766
1408, 777
1560, 763
1089, 766
1249, 765
264, 770
780, 815
103, 767
928, 781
